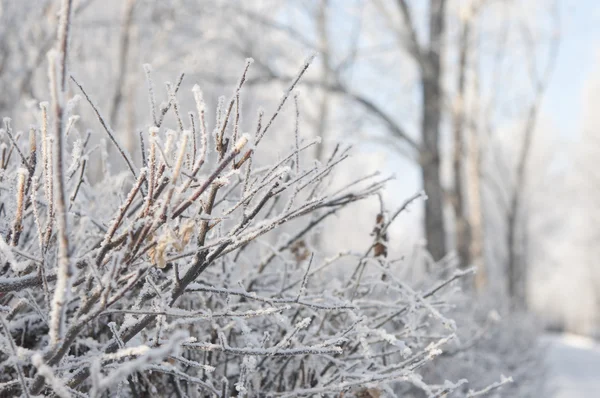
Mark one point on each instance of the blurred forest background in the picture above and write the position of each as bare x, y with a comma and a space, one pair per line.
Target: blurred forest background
487, 105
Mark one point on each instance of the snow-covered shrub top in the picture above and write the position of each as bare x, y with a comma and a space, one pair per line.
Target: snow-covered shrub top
172, 278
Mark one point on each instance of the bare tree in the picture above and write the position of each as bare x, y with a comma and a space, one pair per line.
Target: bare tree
516, 267
122, 68
430, 62
458, 194
428, 59
466, 158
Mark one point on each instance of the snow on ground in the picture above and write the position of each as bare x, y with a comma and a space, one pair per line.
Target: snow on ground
574, 366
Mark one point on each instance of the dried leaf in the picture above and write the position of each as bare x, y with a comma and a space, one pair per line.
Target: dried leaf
300, 250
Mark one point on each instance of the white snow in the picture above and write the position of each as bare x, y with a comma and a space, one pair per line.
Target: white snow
574, 366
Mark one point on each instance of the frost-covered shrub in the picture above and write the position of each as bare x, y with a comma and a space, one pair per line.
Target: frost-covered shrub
173, 280
492, 348
172, 277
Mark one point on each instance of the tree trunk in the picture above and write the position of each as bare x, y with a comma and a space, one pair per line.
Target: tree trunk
512, 266
435, 231
473, 218
325, 77
474, 192
459, 196
434, 214
125, 41
515, 270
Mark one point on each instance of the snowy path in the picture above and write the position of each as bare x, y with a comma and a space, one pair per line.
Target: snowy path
574, 363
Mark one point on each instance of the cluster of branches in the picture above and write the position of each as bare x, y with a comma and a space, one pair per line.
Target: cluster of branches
170, 289
480, 198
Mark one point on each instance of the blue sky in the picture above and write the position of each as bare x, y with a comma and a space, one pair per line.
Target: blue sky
577, 62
